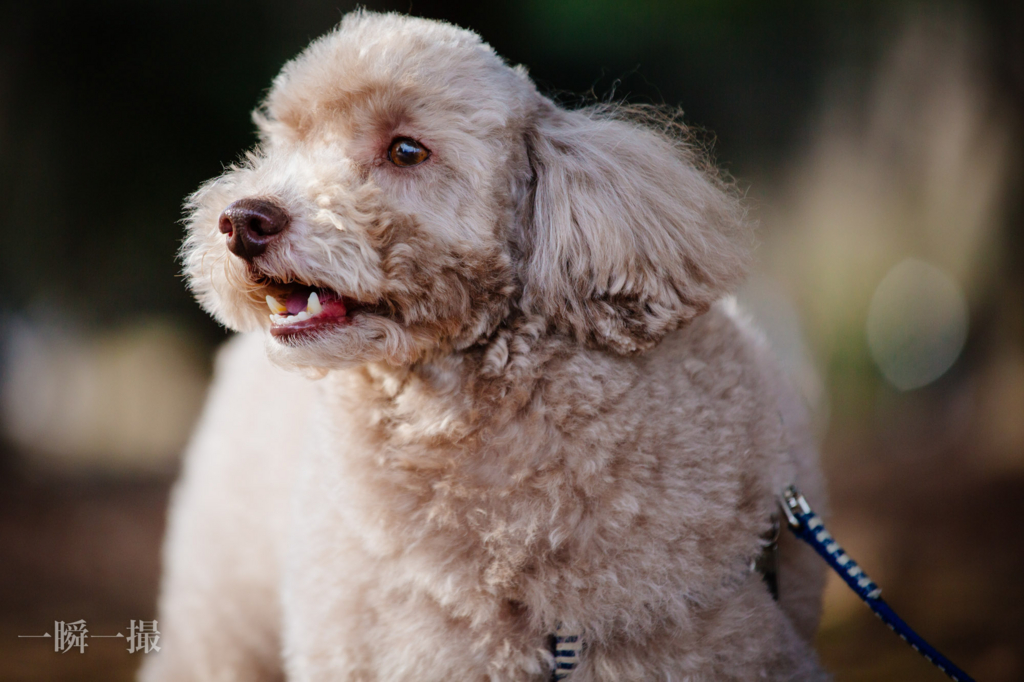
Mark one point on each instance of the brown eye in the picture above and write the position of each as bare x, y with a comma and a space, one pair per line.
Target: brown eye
405, 152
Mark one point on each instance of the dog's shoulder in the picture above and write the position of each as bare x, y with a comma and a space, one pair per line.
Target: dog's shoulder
717, 379
723, 344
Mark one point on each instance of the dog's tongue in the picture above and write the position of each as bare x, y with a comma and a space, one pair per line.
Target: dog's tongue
331, 304
296, 301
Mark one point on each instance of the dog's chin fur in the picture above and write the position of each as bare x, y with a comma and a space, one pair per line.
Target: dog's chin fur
370, 340
537, 408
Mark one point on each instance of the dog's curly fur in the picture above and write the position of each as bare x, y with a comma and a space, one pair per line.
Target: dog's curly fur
547, 416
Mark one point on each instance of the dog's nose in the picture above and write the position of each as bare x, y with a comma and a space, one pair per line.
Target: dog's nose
251, 224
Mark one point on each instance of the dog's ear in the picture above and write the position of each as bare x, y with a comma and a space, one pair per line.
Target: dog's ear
626, 233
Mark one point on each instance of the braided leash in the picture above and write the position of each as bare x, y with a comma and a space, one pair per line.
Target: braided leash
806, 525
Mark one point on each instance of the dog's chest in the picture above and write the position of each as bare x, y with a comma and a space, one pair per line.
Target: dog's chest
430, 567
409, 528
416, 533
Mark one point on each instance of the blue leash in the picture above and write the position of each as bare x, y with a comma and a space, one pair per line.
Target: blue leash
806, 525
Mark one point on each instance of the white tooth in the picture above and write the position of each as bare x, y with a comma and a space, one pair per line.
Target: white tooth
313, 305
277, 319
301, 317
275, 307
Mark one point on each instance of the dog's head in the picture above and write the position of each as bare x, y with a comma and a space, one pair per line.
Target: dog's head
411, 193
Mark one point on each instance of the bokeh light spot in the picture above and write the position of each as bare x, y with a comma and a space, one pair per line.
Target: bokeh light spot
917, 324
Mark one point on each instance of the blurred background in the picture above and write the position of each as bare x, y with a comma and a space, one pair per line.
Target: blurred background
879, 144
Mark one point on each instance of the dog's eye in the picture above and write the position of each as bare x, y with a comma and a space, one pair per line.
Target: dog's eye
405, 151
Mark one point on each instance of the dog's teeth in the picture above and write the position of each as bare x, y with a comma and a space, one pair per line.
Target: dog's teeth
290, 319
275, 307
313, 305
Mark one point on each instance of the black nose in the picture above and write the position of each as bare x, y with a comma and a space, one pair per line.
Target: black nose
251, 224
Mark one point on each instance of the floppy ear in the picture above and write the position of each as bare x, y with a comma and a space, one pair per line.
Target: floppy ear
628, 235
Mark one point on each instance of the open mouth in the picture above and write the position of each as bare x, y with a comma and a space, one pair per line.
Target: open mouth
298, 309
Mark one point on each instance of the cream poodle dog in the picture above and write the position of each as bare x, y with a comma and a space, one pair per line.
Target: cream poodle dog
520, 404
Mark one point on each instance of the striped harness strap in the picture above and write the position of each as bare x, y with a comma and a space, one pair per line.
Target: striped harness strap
568, 643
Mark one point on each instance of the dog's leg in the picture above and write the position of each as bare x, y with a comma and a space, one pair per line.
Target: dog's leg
217, 618
219, 612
